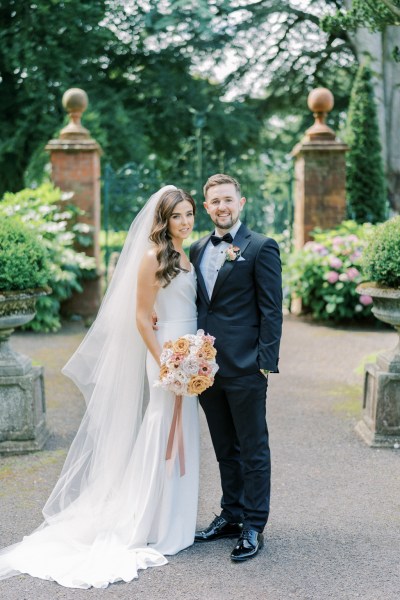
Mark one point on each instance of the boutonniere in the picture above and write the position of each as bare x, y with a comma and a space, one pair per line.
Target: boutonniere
232, 253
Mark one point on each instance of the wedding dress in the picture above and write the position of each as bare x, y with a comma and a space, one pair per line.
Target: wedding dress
119, 506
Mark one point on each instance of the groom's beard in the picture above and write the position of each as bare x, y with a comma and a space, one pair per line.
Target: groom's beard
227, 224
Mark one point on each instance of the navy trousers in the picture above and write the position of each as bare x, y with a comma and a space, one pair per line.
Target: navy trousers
235, 408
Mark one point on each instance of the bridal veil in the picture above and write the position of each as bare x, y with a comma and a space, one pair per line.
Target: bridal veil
87, 504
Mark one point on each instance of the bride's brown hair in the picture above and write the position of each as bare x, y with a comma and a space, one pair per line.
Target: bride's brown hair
168, 258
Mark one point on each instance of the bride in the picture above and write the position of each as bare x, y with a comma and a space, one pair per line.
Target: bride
118, 505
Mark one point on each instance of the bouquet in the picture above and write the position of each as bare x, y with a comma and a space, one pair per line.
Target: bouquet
188, 365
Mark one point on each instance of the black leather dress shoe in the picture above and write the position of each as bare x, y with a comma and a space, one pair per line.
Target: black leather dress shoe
249, 543
219, 528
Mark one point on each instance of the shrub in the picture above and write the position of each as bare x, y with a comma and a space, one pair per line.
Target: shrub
365, 179
52, 216
381, 258
324, 274
23, 257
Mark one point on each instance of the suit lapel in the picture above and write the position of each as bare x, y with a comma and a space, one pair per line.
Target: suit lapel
197, 261
242, 240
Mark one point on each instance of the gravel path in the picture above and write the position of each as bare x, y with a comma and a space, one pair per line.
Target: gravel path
335, 519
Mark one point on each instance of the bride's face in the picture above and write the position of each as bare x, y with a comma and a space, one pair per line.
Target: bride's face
180, 223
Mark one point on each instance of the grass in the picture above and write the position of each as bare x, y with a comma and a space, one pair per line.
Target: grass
351, 400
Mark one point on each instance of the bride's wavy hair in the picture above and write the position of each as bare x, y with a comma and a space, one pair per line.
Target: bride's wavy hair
168, 258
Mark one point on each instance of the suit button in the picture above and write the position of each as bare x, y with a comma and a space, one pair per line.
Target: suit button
209, 311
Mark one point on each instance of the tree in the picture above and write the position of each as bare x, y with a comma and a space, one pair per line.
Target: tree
149, 70
41, 52
376, 15
279, 52
366, 189
142, 94
276, 51
373, 30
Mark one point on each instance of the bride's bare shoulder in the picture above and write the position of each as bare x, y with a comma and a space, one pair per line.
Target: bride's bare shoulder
149, 262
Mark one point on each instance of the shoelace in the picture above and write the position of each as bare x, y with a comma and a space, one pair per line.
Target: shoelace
218, 521
246, 535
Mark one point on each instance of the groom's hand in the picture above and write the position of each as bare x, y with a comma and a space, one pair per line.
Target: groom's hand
154, 319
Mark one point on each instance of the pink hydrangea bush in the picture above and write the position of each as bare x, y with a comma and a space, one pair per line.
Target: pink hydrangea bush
326, 272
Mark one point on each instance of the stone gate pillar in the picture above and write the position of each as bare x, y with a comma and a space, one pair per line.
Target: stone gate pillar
75, 164
320, 173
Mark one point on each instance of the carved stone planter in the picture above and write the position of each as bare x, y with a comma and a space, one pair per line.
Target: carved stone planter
22, 401
380, 425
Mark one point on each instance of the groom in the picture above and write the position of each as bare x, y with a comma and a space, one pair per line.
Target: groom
240, 303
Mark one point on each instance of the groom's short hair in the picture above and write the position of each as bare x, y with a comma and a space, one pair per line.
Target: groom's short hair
218, 179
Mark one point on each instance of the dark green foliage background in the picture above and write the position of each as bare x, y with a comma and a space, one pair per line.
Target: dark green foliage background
151, 104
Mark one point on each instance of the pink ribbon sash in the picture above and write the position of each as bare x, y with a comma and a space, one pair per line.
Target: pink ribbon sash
177, 429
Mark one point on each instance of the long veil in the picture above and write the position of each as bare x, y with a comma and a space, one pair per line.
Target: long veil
109, 369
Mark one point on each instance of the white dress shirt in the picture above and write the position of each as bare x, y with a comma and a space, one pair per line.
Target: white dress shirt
214, 258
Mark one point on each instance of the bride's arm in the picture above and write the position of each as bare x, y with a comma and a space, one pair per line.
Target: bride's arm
147, 289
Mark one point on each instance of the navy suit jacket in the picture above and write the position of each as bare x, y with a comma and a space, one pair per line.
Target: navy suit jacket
245, 310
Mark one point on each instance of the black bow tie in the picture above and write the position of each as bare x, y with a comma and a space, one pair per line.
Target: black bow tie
215, 240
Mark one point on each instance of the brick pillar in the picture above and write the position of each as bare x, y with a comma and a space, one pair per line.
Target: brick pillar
320, 173
75, 163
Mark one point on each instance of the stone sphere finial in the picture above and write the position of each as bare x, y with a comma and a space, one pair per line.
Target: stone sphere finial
320, 101
75, 102
75, 99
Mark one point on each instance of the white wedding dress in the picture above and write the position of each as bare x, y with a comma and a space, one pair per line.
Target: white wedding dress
150, 511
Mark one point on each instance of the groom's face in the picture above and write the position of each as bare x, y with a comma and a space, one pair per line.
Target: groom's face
224, 205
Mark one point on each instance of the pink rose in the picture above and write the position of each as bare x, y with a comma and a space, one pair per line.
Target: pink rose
174, 362
205, 368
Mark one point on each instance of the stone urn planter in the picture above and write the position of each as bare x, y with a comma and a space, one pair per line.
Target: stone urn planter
25, 270
380, 425
22, 400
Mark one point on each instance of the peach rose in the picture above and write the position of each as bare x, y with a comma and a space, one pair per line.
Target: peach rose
181, 346
198, 383
168, 345
207, 351
163, 371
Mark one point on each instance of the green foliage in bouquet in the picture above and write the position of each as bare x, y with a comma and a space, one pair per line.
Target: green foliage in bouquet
51, 215
381, 258
324, 274
23, 257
